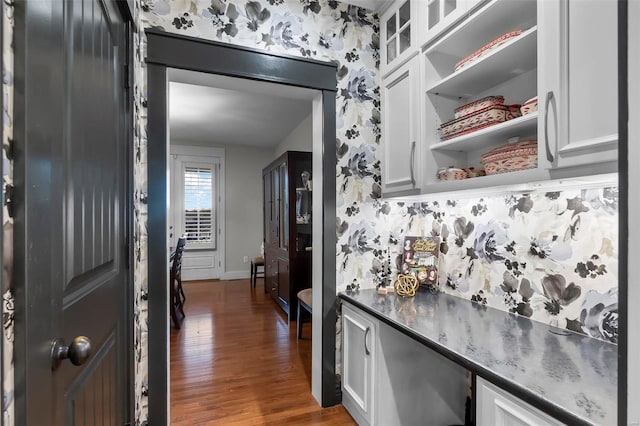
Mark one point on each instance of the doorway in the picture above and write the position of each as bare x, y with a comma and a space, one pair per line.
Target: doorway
170, 51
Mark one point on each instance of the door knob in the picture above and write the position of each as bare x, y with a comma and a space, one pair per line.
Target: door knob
78, 352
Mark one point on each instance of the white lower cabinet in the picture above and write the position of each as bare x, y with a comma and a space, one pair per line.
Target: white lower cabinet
359, 334
390, 379
496, 407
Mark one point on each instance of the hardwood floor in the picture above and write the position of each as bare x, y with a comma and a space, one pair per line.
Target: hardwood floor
235, 361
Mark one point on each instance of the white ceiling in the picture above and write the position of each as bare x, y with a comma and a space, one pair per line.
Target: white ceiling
214, 109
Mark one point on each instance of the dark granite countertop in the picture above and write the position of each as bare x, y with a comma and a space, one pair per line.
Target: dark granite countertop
573, 378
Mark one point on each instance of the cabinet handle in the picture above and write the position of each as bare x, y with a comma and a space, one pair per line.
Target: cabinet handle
547, 102
411, 160
366, 349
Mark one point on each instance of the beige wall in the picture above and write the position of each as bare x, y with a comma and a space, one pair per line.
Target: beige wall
243, 203
298, 140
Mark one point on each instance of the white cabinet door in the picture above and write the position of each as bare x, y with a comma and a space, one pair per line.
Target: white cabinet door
578, 81
401, 161
359, 342
495, 407
398, 28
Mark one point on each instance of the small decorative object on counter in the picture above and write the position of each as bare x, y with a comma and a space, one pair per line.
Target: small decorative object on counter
451, 173
406, 285
384, 278
493, 114
471, 107
487, 48
529, 106
511, 157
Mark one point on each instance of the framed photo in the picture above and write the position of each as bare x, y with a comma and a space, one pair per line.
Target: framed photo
420, 259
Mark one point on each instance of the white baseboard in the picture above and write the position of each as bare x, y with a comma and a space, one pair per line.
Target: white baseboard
235, 275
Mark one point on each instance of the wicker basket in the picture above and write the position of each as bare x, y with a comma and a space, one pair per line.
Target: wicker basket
511, 157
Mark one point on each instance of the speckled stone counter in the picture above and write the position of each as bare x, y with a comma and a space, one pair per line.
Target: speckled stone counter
567, 375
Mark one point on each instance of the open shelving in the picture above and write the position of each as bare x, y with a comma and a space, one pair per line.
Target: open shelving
508, 70
504, 62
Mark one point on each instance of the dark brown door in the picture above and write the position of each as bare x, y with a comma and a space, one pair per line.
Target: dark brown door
71, 239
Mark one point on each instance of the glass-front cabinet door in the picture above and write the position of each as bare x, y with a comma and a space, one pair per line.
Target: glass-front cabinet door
398, 35
436, 16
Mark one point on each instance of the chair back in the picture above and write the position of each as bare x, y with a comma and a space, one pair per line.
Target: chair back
176, 265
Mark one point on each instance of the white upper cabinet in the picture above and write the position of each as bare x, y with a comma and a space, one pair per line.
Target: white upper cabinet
579, 81
401, 164
561, 54
398, 29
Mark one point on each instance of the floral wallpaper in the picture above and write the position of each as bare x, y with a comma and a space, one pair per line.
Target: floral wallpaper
7, 221
549, 256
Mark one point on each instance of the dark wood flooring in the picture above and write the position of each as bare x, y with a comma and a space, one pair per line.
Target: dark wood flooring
236, 361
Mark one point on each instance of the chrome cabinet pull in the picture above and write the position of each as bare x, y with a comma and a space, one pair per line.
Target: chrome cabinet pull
366, 349
547, 102
411, 161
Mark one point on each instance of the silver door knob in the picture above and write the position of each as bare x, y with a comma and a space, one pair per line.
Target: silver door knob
78, 352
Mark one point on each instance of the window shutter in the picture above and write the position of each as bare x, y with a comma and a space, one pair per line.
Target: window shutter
199, 219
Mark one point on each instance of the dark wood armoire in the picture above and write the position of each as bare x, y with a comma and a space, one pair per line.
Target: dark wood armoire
287, 228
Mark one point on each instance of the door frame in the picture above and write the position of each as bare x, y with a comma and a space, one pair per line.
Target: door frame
166, 50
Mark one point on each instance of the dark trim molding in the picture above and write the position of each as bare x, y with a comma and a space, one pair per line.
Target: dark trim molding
178, 51
165, 50
329, 160
623, 216
157, 243
128, 333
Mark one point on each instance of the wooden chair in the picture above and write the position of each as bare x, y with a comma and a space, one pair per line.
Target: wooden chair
304, 302
255, 263
176, 293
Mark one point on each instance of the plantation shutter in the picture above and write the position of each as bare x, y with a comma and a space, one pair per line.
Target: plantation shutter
199, 206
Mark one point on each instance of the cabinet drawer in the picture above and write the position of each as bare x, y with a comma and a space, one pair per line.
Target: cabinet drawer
496, 407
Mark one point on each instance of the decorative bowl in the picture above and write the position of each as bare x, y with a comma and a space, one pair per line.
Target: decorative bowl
474, 172
529, 106
451, 173
511, 157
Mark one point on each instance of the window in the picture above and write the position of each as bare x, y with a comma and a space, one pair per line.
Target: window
199, 218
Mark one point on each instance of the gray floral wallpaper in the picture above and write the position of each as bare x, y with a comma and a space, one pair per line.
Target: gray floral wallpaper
549, 256
7, 222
